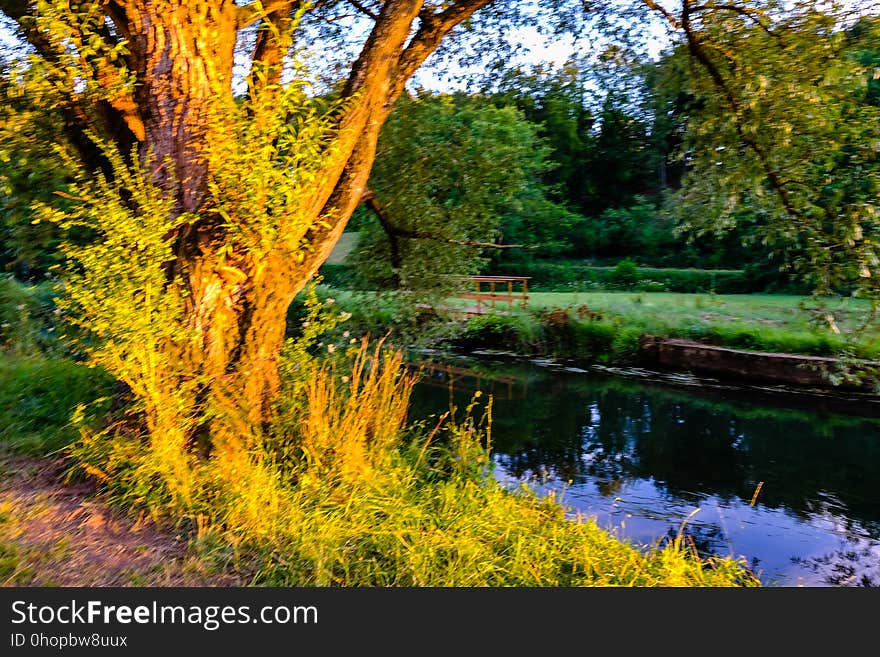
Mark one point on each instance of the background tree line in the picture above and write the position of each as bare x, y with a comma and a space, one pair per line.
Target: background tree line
581, 164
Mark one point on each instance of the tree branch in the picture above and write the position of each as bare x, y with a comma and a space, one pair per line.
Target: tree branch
370, 90
755, 15
369, 199
483, 245
696, 48
113, 119
390, 55
271, 44
395, 232
431, 32
363, 9
672, 20
252, 12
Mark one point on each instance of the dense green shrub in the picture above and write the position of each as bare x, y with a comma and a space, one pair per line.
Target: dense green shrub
565, 333
38, 397
625, 274
568, 276
564, 336
499, 332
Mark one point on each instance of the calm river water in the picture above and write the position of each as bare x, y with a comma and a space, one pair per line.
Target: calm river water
644, 458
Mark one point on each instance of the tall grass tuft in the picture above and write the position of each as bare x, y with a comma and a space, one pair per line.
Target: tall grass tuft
352, 429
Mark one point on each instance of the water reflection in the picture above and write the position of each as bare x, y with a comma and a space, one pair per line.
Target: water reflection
641, 458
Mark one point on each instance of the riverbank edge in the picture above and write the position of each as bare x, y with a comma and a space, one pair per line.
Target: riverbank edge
598, 340
822, 399
758, 366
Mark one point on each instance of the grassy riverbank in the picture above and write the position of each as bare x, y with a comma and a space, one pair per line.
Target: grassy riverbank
605, 327
417, 507
341, 490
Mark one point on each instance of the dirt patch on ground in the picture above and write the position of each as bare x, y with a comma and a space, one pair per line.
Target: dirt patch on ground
52, 534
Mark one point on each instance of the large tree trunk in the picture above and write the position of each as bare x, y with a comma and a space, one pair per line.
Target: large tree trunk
184, 51
237, 307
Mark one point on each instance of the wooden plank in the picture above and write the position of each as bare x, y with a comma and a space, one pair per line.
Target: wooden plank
489, 297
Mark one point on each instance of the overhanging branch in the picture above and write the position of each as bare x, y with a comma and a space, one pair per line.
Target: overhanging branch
431, 31
396, 232
672, 20
115, 118
757, 16
695, 45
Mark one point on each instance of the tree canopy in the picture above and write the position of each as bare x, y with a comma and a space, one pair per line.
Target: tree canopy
780, 128
454, 177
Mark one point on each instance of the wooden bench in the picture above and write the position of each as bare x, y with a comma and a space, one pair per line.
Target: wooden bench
487, 299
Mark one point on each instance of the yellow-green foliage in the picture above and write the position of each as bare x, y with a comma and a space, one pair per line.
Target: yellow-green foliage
263, 163
142, 323
348, 430
131, 315
118, 289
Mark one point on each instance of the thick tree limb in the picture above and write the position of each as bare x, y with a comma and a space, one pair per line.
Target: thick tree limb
376, 80
271, 45
369, 86
431, 32
117, 14
384, 44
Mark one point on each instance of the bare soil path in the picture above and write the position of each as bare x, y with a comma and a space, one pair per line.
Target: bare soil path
57, 534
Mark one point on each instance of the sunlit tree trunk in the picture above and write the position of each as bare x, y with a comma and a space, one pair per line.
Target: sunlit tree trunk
237, 307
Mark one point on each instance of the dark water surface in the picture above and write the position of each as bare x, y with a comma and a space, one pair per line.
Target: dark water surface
644, 458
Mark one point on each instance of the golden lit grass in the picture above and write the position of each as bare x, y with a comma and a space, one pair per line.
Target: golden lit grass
351, 429
467, 533
359, 500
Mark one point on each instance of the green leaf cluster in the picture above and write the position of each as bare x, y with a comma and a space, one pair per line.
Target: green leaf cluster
450, 169
781, 130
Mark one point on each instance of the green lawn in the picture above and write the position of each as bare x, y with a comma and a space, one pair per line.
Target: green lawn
758, 321
792, 312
